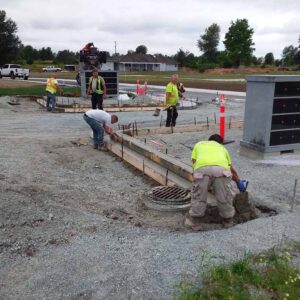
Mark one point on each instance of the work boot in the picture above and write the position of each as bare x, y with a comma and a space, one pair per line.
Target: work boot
102, 148
48, 108
227, 222
95, 146
194, 223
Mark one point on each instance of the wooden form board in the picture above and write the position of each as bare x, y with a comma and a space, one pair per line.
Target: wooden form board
169, 163
150, 168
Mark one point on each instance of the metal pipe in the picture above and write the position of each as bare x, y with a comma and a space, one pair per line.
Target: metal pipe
294, 196
136, 130
122, 143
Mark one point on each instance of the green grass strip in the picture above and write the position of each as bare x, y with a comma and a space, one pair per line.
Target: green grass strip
269, 275
34, 91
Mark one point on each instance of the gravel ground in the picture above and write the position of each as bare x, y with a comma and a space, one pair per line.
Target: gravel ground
72, 225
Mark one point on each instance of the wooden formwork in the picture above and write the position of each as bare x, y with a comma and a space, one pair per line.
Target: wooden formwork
164, 169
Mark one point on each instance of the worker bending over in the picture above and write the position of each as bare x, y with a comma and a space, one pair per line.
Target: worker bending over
100, 121
212, 168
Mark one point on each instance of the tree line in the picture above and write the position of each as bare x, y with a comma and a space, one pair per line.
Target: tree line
238, 43
238, 50
12, 49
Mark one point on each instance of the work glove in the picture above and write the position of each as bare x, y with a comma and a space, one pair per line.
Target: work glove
241, 184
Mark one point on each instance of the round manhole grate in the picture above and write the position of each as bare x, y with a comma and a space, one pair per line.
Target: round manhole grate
168, 198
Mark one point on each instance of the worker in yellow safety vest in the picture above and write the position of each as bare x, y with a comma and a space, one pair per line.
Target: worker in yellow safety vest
212, 168
172, 96
97, 89
51, 89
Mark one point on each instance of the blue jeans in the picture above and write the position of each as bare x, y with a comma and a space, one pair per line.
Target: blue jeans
98, 131
51, 98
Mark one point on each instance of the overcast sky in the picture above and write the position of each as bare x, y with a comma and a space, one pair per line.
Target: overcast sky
162, 25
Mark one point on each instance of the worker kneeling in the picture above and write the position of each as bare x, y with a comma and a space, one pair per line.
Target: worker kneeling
212, 168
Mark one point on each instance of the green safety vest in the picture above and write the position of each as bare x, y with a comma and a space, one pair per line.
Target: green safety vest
210, 153
98, 87
173, 90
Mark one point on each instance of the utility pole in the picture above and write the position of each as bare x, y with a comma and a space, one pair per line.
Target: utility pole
115, 47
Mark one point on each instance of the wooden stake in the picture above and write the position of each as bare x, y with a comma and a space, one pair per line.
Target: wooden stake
167, 173
122, 148
133, 129
136, 130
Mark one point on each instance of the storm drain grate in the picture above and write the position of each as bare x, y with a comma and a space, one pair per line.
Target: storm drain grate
168, 198
169, 193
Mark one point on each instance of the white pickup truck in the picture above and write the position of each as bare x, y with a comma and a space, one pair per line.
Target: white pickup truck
13, 71
51, 69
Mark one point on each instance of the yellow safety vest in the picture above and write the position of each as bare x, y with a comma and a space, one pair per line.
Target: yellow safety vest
173, 90
98, 87
51, 86
210, 153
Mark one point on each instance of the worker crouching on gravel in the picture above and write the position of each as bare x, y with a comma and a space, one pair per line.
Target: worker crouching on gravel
100, 121
212, 168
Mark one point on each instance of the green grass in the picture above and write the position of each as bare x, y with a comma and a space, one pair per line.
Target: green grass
60, 75
34, 91
269, 275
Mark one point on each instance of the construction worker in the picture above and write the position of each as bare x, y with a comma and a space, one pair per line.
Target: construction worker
212, 168
97, 88
172, 97
100, 121
51, 88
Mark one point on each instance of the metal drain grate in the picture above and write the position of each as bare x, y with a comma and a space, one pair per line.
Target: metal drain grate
169, 192
168, 198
